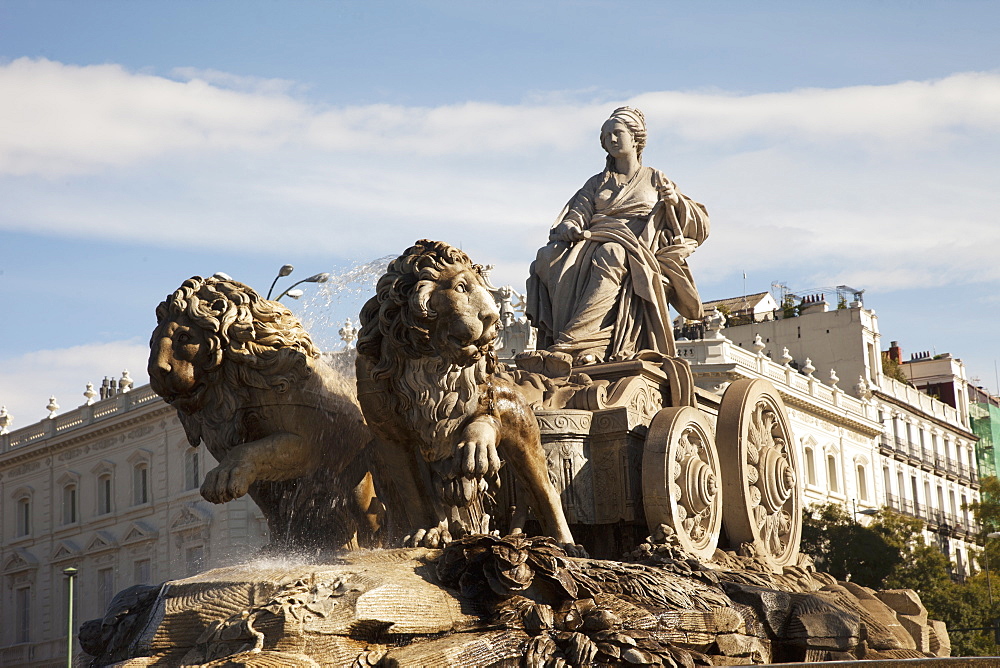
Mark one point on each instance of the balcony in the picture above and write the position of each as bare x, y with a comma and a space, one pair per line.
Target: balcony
926, 459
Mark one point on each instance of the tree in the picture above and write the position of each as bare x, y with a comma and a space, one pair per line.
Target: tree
892, 369
845, 549
891, 553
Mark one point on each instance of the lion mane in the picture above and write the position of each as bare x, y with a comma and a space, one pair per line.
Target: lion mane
432, 395
254, 345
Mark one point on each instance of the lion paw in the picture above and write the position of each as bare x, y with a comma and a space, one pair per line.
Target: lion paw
435, 537
477, 456
574, 550
226, 482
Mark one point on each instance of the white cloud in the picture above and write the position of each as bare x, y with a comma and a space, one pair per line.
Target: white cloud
29, 380
891, 184
63, 119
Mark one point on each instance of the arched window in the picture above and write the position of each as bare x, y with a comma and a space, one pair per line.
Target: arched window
862, 483
810, 466
831, 473
192, 469
69, 505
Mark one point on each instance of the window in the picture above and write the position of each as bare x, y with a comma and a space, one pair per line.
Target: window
22, 614
194, 560
192, 473
23, 516
105, 588
862, 483
69, 505
104, 494
831, 473
810, 467
141, 572
887, 479
140, 484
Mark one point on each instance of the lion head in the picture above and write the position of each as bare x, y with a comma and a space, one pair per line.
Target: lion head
431, 301
426, 344
213, 326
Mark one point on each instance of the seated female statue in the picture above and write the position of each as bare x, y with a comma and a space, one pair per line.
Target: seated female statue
616, 257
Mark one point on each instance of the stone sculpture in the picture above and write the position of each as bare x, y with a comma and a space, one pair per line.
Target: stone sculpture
616, 257
428, 387
628, 441
511, 601
247, 381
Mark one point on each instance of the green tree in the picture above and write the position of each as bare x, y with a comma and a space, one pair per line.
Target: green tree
845, 549
892, 369
891, 553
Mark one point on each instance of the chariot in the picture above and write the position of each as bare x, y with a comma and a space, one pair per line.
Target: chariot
651, 448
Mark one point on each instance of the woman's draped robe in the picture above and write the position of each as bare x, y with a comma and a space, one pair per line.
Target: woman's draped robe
608, 295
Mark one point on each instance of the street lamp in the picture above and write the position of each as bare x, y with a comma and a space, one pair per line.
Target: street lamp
318, 278
986, 553
71, 574
285, 270
864, 511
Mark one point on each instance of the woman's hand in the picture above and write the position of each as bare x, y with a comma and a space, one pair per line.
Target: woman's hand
668, 193
568, 230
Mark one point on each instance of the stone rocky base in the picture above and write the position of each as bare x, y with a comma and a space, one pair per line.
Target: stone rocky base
487, 601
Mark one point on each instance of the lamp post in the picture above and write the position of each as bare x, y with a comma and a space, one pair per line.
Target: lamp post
864, 511
285, 270
71, 574
986, 553
318, 278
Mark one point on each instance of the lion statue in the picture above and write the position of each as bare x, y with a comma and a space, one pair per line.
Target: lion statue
247, 380
443, 417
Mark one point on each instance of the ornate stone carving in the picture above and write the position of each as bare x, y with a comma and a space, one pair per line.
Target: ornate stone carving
681, 485
246, 379
763, 511
428, 387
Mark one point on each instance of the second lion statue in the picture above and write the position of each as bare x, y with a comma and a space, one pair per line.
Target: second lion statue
286, 429
429, 390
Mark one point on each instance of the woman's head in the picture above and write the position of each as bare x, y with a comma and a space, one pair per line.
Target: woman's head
632, 119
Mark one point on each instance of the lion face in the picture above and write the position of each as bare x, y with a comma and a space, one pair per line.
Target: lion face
178, 355
466, 316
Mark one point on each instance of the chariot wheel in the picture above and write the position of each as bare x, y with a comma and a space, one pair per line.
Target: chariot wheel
760, 480
681, 487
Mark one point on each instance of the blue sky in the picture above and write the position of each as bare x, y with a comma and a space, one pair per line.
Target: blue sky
144, 142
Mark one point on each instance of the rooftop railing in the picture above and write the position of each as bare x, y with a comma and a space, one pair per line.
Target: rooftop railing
77, 418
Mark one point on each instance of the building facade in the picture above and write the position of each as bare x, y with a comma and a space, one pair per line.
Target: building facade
111, 489
924, 461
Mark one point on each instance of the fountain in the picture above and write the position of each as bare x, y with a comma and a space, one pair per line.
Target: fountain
586, 506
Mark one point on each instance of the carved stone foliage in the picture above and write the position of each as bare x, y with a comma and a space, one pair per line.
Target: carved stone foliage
760, 481
512, 601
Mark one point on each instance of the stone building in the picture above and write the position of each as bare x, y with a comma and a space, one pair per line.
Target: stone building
926, 463
109, 488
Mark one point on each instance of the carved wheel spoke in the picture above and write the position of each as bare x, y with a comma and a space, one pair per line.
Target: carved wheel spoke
763, 506
681, 486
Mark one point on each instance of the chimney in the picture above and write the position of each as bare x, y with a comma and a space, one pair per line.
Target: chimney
814, 304
895, 352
